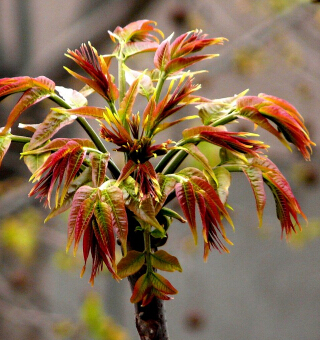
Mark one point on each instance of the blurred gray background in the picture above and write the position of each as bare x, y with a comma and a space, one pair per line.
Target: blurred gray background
265, 288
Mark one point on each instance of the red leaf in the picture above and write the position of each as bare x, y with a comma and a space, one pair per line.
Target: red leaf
81, 194
127, 170
104, 233
83, 219
99, 163
187, 201
113, 196
162, 55
181, 63
29, 98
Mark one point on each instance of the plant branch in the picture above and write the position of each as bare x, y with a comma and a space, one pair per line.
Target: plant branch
20, 139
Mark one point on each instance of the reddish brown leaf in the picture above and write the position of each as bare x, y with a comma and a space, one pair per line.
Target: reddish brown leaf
187, 201
255, 179
81, 194
113, 196
99, 164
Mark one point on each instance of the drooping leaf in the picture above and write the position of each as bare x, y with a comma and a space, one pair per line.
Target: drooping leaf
164, 261
215, 109
83, 179
113, 196
127, 170
257, 118
141, 288
20, 84
83, 219
59, 143
140, 30
162, 284
5, 142
131, 263
81, 194
29, 98
255, 179
210, 195
53, 122
186, 198
104, 234
99, 163
74, 163
236, 142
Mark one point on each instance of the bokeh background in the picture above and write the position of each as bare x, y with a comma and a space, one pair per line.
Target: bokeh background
265, 288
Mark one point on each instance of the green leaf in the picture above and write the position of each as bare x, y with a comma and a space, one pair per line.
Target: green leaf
164, 261
162, 284
72, 97
173, 214
126, 105
131, 263
255, 178
5, 142
34, 162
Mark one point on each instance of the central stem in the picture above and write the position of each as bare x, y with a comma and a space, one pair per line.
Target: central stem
150, 320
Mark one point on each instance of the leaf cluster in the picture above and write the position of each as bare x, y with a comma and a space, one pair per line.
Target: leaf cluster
107, 203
